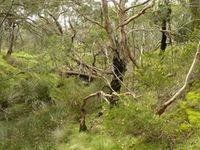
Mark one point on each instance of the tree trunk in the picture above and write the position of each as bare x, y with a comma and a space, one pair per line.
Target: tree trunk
118, 73
1, 40
1, 37
83, 126
164, 37
12, 34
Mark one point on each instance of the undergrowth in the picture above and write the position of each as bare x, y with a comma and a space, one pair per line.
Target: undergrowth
40, 109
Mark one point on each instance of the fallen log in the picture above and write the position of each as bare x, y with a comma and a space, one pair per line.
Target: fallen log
84, 76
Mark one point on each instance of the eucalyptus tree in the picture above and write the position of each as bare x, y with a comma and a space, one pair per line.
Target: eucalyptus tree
6, 16
38, 17
114, 21
13, 14
116, 30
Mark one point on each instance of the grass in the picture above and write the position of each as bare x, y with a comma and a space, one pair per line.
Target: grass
131, 125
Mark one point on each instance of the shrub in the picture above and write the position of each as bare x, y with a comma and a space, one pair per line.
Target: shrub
136, 119
35, 92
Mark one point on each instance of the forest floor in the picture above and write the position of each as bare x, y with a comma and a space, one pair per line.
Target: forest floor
39, 109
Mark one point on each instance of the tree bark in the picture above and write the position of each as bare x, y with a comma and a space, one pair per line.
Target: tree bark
12, 34
164, 37
118, 72
1, 40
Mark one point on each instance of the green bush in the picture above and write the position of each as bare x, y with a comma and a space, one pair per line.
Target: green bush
34, 91
192, 108
3, 91
34, 132
137, 120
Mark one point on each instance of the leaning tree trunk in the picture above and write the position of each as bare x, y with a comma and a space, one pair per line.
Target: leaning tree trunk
12, 34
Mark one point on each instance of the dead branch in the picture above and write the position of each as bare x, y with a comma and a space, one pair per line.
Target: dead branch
88, 77
101, 95
177, 94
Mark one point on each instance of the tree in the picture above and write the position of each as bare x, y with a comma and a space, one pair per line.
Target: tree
116, 30
162, 18
118, 38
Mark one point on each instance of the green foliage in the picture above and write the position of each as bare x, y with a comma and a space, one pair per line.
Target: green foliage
81, 141
34, 91
138, 120
160, 73
73, 90
152, 73
3, 94
191, 107
33, 132
39, 109
191, 144
162, 12
195, 11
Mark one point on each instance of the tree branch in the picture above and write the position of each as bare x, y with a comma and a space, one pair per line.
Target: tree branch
102, 95
57, 23
105, 15
134, 6
89, 19
173, 98
127, 21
